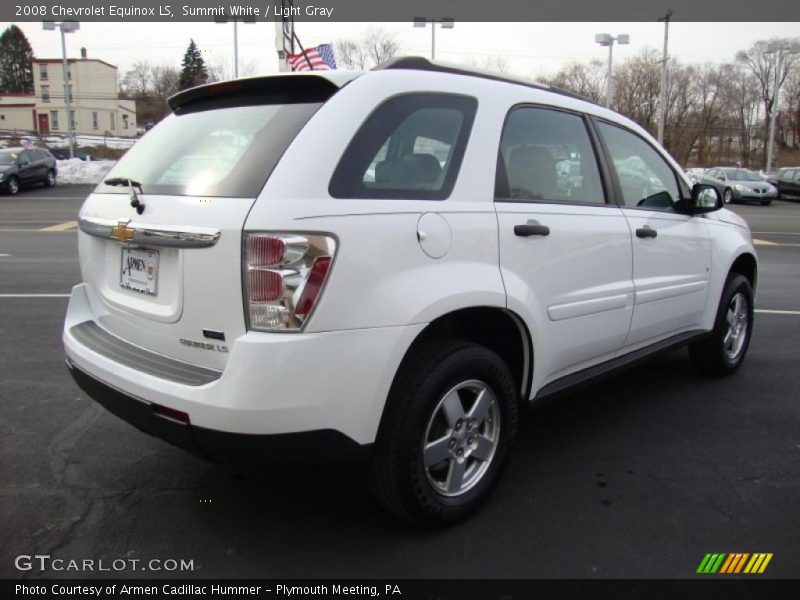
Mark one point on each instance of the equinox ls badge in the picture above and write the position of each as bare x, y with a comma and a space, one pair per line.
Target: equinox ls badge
122, 233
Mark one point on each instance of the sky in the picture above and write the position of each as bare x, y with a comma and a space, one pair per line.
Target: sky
530, 49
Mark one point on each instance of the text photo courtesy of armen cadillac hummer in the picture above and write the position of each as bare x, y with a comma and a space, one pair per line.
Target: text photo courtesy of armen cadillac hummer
422, 298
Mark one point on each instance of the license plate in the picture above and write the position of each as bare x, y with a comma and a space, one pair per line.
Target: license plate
139, 270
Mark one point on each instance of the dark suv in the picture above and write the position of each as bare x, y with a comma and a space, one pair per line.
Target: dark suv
787, 180
24, 166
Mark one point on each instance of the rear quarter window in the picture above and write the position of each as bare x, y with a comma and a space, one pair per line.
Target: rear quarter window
410, 147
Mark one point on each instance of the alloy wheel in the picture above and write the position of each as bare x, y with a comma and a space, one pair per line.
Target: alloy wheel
461, 438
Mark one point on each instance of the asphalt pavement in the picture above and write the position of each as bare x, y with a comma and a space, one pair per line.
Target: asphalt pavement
638, 476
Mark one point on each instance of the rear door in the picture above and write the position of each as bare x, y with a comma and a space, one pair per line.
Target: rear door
565, 252
27, 168
167, 275
671, 251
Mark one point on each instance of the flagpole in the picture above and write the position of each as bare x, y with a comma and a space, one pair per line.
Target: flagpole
303, 50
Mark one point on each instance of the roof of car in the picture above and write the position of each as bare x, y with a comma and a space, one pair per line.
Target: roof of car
418, 63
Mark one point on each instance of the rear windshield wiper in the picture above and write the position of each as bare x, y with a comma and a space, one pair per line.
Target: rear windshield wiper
132, 185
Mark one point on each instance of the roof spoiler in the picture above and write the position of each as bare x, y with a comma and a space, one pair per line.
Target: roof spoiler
284, 89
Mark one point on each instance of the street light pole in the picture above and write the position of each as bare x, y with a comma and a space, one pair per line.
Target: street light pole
605, 39
662, 96
222, 20
67, 99
65, 27
780, 51
444, 23
235, 49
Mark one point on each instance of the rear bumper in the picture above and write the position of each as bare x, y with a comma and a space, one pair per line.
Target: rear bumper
318, 446
272, 384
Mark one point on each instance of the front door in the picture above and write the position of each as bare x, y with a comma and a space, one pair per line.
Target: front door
565, 252
671, 251
44, 123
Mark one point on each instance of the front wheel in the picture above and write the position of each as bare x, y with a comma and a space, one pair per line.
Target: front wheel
12, 186
724, 350
50, 180
727, 196
448, 425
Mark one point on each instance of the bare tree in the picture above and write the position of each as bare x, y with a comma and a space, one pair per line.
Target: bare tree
222, 69
585, 79
495, 62
376, 46
763, 64
138, 80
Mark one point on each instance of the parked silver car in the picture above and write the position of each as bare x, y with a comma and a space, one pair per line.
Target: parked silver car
739, 185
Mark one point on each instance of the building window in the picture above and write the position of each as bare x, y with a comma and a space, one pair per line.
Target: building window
2, 117
124, 121
69, 92
43, 71
72, 122
54, 119
94, 120
45, 93
113, 121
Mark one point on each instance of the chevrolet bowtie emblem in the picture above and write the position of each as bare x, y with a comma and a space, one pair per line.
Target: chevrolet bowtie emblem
122, 233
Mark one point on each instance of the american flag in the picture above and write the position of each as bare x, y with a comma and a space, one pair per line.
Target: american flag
321, 59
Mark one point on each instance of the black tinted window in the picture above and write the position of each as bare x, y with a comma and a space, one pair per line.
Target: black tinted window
547, 155
646, 179
411, 147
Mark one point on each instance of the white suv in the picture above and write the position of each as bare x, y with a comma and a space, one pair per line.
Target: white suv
389, 265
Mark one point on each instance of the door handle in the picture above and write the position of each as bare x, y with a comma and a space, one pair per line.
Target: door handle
531, 229
646, 232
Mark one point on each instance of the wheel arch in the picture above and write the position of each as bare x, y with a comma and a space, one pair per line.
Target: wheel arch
746, 264
499, 329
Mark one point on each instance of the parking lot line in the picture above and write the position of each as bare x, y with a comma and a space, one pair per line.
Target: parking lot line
61, 226
777, 312
34, 295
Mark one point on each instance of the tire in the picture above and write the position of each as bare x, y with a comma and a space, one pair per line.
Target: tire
50, 180
718, 354
432, 384
727, 196
12, 185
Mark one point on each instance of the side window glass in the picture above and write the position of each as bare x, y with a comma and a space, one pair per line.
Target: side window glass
411, 147
547, 155
646, 179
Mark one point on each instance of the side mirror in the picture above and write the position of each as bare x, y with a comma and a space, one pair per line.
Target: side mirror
705, 199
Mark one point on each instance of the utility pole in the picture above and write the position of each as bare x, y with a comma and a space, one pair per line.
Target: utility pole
66, 27
662, 96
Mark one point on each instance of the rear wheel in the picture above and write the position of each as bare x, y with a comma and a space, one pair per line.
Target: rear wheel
50, 180
12, 186
449, 422
724, 350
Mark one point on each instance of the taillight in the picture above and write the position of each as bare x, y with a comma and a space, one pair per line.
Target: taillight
284, 275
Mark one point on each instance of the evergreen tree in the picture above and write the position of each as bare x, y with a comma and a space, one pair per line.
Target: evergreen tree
16, 67
194, 70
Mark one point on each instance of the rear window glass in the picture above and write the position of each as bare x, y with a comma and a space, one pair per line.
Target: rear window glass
411, 147
222, 152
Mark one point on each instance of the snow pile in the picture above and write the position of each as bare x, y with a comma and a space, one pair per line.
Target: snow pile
75, 170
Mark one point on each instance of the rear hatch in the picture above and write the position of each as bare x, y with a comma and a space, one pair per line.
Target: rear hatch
160, 241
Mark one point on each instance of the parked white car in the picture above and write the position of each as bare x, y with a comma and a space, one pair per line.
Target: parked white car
282, 269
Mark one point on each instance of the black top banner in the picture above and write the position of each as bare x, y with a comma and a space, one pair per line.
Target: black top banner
394, 10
